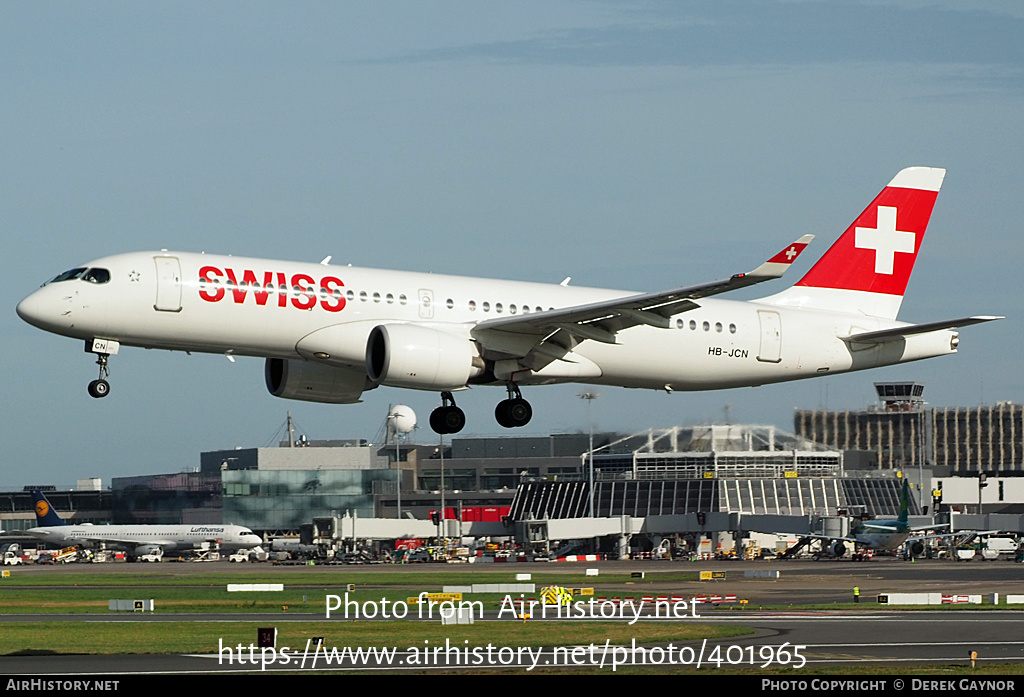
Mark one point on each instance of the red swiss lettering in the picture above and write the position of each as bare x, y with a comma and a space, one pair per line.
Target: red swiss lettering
305, 291
207, 280
338, 303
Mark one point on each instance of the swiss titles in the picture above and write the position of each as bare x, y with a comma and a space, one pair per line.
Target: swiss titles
300, 291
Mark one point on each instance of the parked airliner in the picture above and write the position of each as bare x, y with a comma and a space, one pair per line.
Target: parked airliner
329, 333
874, 535
888, 535
138, 539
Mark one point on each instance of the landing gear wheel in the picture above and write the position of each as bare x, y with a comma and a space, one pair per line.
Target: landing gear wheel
99, 388
436, 424
447, 418
453, 419
501, 414
513, 413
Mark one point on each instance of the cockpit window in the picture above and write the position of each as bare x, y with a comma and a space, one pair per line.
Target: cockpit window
69, 275
96, 276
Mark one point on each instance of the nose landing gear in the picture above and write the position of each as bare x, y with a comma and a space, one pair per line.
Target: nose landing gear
103, 349
100, 387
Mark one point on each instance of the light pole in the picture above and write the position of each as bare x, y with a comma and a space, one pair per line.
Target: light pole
444, 532
590, 397
401, 420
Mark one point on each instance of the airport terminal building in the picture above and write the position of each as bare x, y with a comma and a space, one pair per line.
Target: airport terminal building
664, 480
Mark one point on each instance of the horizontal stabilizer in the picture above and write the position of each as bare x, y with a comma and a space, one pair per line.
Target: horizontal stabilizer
897, 333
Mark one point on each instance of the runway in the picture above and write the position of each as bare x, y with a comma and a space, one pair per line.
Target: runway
801, 635
797, 639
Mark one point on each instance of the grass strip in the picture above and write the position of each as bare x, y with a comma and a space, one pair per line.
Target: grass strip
40, 638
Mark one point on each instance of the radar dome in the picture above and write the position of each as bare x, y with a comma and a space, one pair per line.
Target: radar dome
404, 418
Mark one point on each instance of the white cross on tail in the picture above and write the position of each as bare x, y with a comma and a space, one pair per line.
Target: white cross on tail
885, 239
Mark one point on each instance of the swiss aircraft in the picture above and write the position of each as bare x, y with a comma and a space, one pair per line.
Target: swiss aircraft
329, 333
137, 539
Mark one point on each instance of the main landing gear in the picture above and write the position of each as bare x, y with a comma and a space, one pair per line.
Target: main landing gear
514, 411
510, 413
447, 418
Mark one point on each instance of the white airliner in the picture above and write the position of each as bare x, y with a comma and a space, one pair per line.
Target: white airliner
329, 333
875, 535
138, 539
888, 535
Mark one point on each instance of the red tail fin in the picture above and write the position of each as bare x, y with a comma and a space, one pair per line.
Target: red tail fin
868, 267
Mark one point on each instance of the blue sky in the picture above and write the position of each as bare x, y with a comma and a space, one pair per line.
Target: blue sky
630, 145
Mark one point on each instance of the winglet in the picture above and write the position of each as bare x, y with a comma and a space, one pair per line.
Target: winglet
778, 264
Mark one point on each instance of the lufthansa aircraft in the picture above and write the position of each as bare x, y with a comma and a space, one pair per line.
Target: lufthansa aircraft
137, 539
329, 333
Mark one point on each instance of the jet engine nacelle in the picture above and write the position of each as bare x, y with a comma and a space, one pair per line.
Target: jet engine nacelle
292, 379
916, 548
836, 548
422, 358
149, 549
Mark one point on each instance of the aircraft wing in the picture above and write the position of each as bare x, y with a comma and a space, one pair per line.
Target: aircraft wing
550, 335
898, 333
966, 535
880, 528
828, 538
130, 544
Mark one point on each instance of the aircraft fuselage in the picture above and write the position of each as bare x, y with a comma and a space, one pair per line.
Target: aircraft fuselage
254, 307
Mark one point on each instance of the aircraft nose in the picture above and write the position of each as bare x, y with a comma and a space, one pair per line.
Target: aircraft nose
42, 309
33, 310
